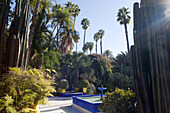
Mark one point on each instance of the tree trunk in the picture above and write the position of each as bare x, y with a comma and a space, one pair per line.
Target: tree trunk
84, 37
58, 29
32, 28
76, 47
96, 47
74, 21
101, 45
127, 40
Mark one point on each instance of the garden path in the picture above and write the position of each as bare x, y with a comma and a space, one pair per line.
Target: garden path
59, 105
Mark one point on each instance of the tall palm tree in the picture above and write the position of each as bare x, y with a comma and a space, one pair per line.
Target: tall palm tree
85, 24
56, 18
107, 53
66, 42
76, 11
63, 20
101, 33
90, 45
96, 38
123, 18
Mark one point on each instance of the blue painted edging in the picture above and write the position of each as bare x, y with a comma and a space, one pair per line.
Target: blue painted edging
71, 95
92, 107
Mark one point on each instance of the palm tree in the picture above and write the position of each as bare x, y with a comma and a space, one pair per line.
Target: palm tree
96, 38
66, 42
123, 18
76, 11
63, 20
107, 53
55, 16
85, 24
76, 38
121, 64
85, 47
101, 33
90, 44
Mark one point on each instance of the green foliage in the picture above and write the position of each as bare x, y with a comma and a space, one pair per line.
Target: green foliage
84, 83
121, 64
6, 104
51, 60
102, 68
85, 23
123, 16
119, 80
64, 84
119, 101
25, 88
46, 60
107, 53
91, 90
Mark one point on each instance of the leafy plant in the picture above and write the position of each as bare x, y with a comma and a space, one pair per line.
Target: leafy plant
64, 84
25, 89
6, 104
84, 83
119, 101
119, 80
91, 89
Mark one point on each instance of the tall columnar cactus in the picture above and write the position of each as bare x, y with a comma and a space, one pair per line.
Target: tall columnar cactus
4, 6
151, 56
13, 50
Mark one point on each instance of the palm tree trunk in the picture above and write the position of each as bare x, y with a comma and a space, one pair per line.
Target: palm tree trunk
127, 40
101, 45
84, 37
32, 28
76, 47
58, 29
96, 47
74, 21
54, 29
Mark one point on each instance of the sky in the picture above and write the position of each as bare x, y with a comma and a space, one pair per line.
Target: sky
102, 15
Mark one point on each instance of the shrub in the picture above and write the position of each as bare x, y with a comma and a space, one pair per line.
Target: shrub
22, 90
119, 80
91, 89
84, 83
64, 84
119, 101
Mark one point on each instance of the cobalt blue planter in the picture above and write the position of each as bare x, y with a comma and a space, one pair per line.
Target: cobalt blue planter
92, 107
71, 94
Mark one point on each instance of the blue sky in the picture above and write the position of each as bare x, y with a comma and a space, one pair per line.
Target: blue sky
102, 15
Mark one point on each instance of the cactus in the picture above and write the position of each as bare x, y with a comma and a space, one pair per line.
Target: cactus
150, 56
13, 51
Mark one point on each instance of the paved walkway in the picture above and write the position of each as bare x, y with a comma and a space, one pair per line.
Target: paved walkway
59, 105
